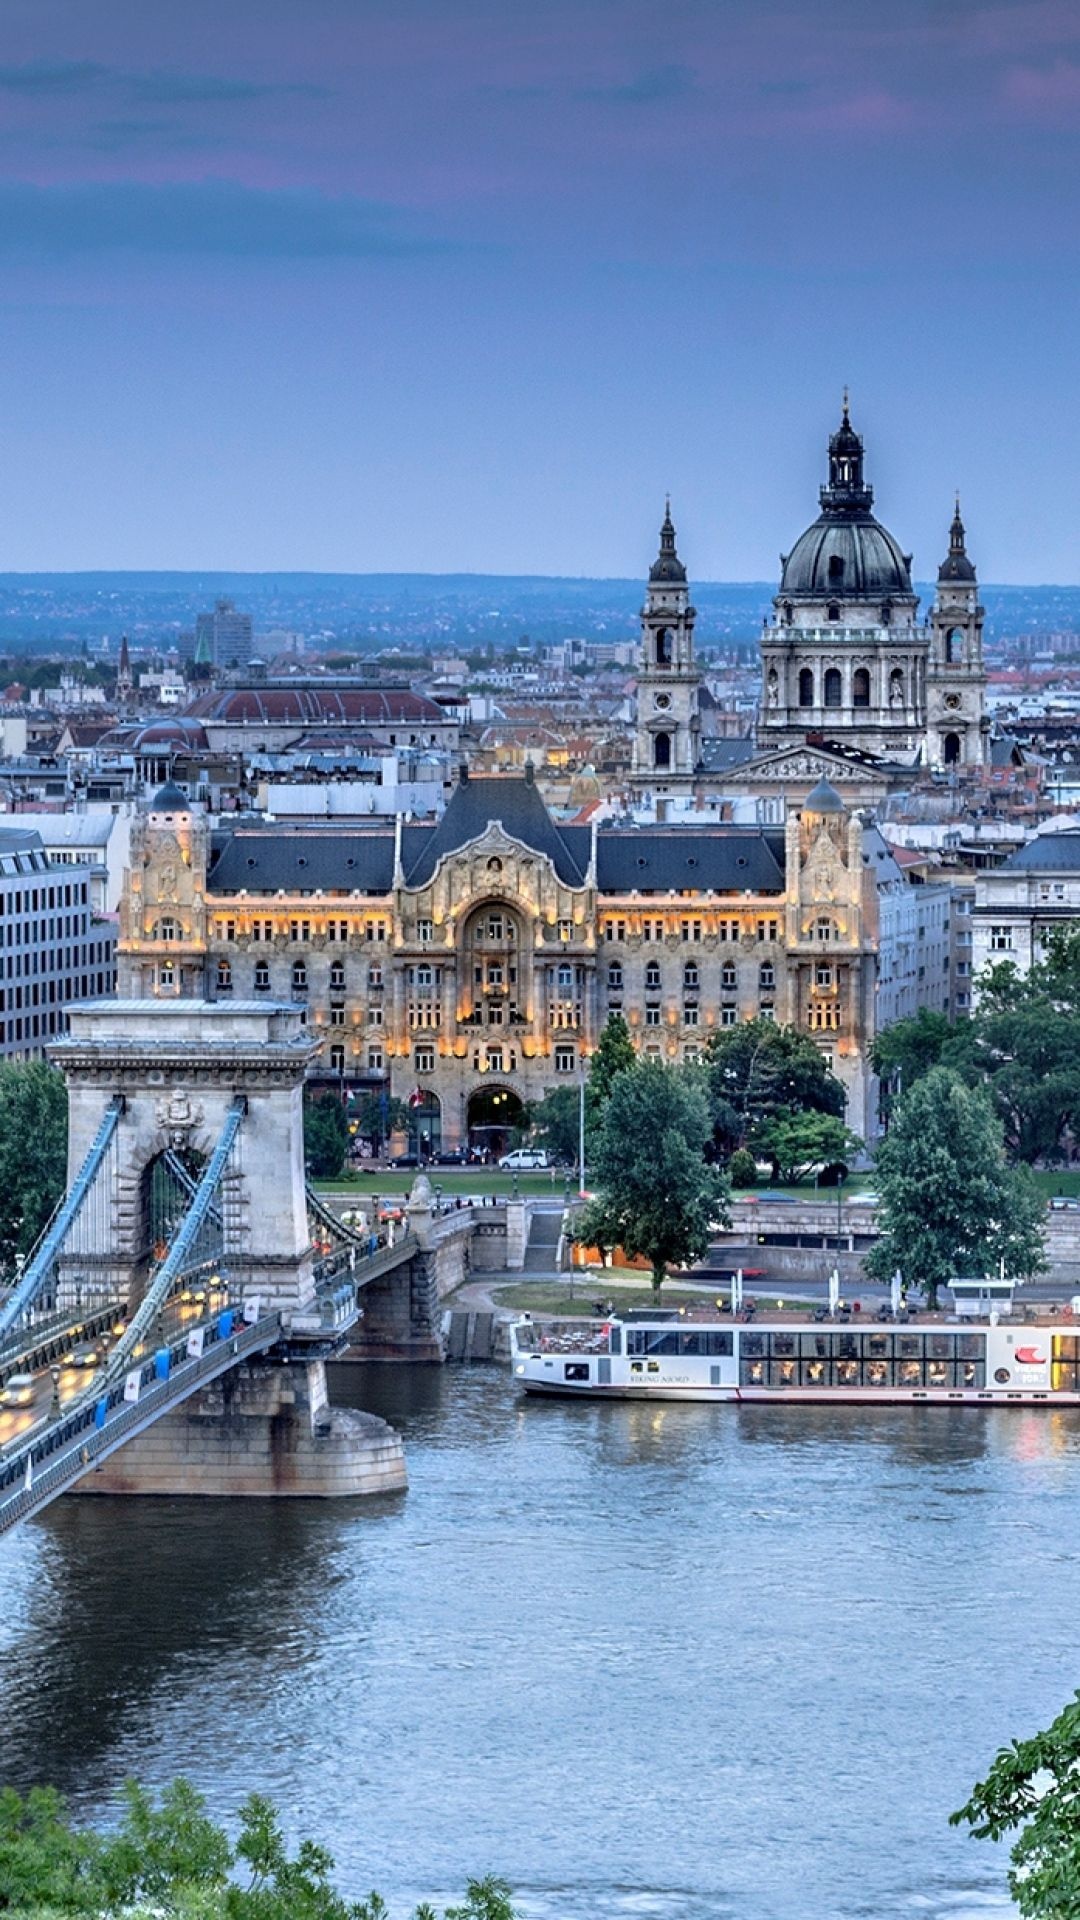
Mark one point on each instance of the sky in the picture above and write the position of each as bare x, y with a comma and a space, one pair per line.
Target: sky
469, 285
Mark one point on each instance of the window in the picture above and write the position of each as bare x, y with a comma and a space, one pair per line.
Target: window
766, 976
494, 930
823, 930
166, 974
615, 930
375, 1059
728, 1015
652, 975
690, 1013
860, 688
375, 974
495, 1060
806, 687
337, 976
691, 931
729, 976
423, 976
768, 930
224, 976
300, 929
823, 975
565, 979
337, 1059
375, 1016
166, 930
690, 975
766, 1010
299, 977
262, 976
662, 750
337, 1016
1001, 939
262, 931
615, 979
424, 1059
566, 930
833, 682
565, 1059
425, 931
652, 1013
832, 613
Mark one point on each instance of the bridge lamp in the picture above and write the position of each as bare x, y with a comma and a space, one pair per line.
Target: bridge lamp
55, 1408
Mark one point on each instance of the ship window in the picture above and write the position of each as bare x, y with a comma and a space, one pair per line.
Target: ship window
576, 1370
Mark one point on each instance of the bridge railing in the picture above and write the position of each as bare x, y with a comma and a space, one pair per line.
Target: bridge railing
48, 1463
39, 1275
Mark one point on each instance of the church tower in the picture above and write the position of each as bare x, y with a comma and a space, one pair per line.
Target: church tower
667, 742
957, 729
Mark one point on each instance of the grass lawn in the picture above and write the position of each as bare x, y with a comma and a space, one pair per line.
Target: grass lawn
1059, 1182
548, 1296
451, 1179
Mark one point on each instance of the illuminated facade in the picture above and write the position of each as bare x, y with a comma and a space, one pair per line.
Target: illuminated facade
470, 965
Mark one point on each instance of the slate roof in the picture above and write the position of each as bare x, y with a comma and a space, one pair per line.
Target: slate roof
303, 860
717, 755
1047, 853
716, 859
517, 805
269, 706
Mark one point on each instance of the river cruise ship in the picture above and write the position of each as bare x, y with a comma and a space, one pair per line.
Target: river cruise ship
1022, 1361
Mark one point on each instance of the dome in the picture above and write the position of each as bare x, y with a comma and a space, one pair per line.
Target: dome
846, 558
170, 799
824, 799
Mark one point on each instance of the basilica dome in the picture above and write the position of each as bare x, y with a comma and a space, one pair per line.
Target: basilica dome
845, 557
846, 554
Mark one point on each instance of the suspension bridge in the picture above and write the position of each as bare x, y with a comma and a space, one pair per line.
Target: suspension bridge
192, 1264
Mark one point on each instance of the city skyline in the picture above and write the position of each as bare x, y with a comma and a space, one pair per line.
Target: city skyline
320, 289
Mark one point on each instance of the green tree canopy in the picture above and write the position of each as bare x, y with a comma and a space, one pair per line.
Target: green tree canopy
950, 1204
326, 1135
659, 1199
614, 1054
756, 1069
556, 1123
1032, 1786
33, 1152
169, 1859
797, 1142
379, 1115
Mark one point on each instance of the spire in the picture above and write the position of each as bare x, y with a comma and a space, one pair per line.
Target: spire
667, 565
847, 492
125, 659
956, 564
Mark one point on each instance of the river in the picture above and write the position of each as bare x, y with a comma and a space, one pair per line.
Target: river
677, 1663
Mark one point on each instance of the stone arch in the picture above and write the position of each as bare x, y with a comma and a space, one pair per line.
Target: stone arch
951, 745
860, 687
833, 691
493, 1112
662, 750
806, 686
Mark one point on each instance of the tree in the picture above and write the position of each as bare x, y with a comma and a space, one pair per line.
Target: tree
326, 1135
556, 1122
660, 1201
614, 1055
797, 1142
170, 1859
742, 1168
33, 1152
380, 1115
950, 1204
1032, 1786
758, 1067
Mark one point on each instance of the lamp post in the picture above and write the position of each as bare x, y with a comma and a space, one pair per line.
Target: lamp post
581, 1131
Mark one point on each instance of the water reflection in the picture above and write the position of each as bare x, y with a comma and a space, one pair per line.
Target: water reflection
673, 1662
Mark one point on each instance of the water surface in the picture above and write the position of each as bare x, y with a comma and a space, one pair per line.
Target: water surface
681, 1663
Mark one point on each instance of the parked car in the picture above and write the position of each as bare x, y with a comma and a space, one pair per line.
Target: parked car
453, 1157
526, 1160
406, 1160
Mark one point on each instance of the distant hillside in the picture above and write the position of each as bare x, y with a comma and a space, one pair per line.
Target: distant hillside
369, 611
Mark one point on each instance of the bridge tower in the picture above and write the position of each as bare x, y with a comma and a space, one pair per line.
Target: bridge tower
188, 1076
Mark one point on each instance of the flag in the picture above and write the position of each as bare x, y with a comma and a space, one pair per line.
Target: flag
132, 1384
29, 1480
251, 1309
196, 1341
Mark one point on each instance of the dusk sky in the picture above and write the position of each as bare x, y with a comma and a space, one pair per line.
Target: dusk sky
464, 285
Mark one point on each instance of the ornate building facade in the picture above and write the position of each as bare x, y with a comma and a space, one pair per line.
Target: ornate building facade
469, 966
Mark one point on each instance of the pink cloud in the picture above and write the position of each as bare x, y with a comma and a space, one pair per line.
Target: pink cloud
1039, 89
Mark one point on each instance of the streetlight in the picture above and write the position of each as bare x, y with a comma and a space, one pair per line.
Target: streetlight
581, 1130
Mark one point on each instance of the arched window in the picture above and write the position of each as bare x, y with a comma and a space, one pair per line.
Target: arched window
663, 647
766, 975
728, 976
166, 929
836, 571
662, 750
566, 979
833, 687
806, 687
615, 978
299, 977
337, 975
952, 749
954, 646
690, 975
262, 976
224, 976
896, 688
860, 687
652, 975
824, 930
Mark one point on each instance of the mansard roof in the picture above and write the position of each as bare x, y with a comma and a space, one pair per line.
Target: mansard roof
515, 803
1047, 853
279, 858
678, 859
